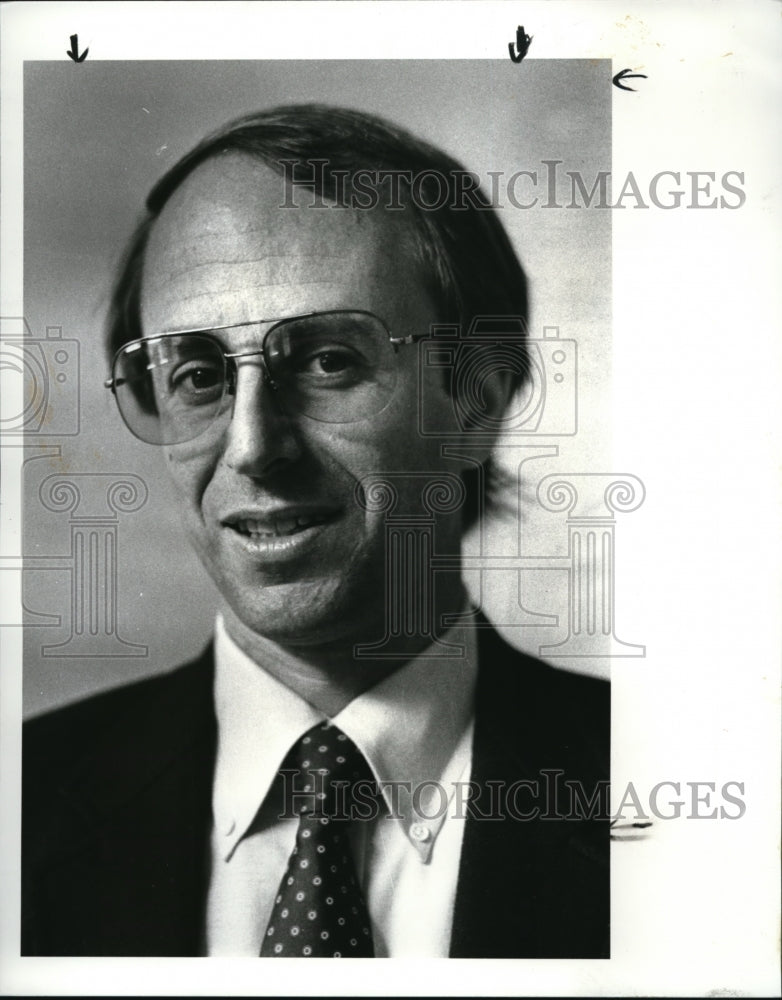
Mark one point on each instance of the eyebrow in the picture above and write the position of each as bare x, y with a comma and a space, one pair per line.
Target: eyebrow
249, 322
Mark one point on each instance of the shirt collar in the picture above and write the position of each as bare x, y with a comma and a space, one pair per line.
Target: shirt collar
414, 728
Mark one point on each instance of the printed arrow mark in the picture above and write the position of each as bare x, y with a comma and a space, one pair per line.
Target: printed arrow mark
73, 52
523, 42
625, 74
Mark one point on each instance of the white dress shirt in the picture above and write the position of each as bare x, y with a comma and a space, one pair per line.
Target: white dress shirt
415, 726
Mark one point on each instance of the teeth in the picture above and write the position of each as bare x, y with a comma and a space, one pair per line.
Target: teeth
278, 526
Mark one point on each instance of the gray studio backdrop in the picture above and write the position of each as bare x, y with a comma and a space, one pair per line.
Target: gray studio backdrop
98, 510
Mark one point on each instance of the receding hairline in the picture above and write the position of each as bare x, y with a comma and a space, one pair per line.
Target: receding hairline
237, 169
464, 257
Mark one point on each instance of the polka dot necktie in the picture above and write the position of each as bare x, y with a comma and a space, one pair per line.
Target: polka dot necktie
319, 911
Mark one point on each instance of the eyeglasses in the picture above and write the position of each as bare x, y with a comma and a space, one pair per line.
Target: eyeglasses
336, 367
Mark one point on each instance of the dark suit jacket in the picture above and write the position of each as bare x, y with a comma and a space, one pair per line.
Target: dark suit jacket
117, 814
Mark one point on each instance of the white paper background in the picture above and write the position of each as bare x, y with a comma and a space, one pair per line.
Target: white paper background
696, 364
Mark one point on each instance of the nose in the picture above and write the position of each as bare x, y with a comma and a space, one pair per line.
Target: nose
260, 439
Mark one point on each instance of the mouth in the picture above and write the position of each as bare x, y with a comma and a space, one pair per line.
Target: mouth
281, 525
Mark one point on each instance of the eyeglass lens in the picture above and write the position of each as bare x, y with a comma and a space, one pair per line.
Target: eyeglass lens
331, 367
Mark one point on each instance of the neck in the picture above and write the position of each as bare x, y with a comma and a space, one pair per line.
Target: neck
328, 675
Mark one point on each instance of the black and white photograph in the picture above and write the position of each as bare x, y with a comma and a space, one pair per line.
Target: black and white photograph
390, 567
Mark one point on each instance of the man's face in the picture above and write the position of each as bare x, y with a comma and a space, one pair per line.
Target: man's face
269, 501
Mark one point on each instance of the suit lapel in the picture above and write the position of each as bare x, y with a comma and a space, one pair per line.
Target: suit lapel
538, 887
129, 837
136, 845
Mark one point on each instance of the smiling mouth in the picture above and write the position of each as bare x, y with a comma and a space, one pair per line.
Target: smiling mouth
278, 527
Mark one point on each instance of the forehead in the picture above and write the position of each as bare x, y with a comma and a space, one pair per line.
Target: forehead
225, 251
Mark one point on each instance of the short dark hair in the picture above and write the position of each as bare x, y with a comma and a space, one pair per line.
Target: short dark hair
468, 262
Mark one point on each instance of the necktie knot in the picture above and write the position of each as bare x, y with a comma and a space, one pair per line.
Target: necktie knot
329, 773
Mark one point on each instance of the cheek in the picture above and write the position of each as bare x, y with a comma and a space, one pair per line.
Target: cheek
343, 454
190, 473
360, 458
402, 474
392, 441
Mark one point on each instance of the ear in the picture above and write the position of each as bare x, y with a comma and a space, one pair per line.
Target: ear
483, 396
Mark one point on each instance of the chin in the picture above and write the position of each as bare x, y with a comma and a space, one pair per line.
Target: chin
308, 615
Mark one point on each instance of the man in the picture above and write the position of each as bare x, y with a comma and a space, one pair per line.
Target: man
359, 766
